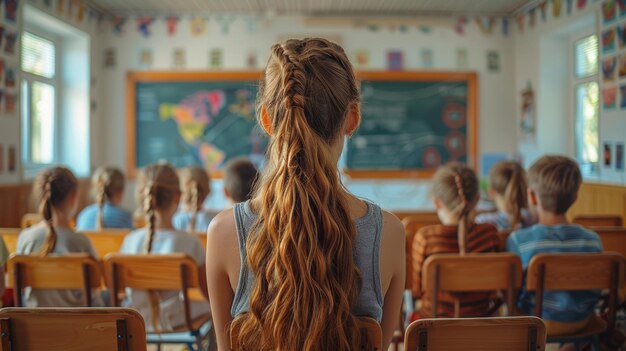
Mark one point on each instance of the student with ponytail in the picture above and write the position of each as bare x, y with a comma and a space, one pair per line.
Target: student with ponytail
108, 188
158, 193
507, 188
455, 195
56, 192
297, 264
195, 187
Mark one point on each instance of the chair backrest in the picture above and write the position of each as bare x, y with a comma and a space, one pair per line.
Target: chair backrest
152, 272
613, 238
576, 272
9, 235
456, 273
476, 334
107, 241
503, 235
412, 224
30, 219
74, 271
202, 237
370, 331
598, 220
71, 329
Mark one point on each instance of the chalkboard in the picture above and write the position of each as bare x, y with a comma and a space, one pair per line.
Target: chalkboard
412, 122
193, 118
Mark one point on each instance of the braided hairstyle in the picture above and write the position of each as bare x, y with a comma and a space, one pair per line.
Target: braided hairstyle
157, 189
195, 187
456, 186
106, 182
508, 179
51, 188
300, 249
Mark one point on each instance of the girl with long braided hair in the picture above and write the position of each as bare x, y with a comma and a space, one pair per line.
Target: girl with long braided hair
158, 194
56, 192
195, 185
294, 267
108, 188
455, 195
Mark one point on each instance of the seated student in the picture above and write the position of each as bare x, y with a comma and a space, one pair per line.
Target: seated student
240, 176
507, 187
108, 186
56, 190
195, 186
455, 194
553, 187
159, 193
297, 264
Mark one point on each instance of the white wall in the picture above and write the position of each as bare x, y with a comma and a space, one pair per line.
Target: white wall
496, 90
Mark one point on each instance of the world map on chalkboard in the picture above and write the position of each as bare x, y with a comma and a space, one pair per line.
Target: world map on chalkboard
197, 123
410, 125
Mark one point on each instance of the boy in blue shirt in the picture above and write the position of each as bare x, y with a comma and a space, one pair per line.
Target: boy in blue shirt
553, 183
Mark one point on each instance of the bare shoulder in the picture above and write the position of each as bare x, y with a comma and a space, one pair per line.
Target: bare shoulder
222, 231
393, 231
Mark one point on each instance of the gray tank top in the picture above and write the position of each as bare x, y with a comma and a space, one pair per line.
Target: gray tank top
366, 256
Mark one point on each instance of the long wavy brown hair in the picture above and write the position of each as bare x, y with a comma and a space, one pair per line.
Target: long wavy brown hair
508, 179
106, 182
300, 250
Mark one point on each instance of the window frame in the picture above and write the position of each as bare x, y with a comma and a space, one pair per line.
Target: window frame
30, 167
588, 169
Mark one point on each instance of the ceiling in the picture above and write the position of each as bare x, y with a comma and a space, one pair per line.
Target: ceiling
328, 7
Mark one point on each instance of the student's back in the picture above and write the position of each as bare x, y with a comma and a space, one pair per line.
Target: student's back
108, 187
183, 220
195, 187
112, 217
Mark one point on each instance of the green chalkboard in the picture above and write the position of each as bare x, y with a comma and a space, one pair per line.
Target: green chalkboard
413, 122
194, 119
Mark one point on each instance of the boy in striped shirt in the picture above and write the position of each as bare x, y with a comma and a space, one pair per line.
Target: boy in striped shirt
553, 183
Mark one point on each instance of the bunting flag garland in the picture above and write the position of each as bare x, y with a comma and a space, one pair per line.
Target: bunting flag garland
520, 23
60, 6
532, 17
556, 8
505, 27
542, 10
143, 24
570, 5
171, 22
118, 25
81, 12
425, 29
581, 4
485, 24
48, 3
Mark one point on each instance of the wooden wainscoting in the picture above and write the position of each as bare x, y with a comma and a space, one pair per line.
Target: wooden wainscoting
594, 198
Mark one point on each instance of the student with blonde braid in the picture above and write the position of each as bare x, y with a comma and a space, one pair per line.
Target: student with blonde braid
158, 192
507, 188
56, 190
195, 187
455, 195
108, 187
297, 264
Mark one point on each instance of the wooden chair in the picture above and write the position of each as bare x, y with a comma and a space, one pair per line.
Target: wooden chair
598, 220
107, 241
613, 238
9, 235
71, 329
578, 272
502, 237
453, 273
160, 272
370, 330
30, 219
412, 224
202, 237
71, 272
476, 334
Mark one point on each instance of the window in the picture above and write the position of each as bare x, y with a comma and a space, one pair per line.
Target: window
586, 102
39, 94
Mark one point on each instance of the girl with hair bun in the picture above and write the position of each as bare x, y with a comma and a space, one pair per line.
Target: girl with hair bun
158, 193
108, 187
56, 192
295, 266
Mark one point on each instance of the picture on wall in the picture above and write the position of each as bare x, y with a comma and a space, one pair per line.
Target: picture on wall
608, 153
493, 61
621, 35
609, 69
178, 58
216, 58
9, 42
12, 160
609, 11
10, 10
145, 58
9, 78
1, 68
528, 120
609, 98
427, 57
608, 41
622, 101
395, 60
621, 62
462, 61
619, 156
109, 58
251, 59
1, 158
622, 7
362, 58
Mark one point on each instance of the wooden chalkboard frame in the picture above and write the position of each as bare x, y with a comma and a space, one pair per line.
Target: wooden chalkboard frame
152, 76
471, 78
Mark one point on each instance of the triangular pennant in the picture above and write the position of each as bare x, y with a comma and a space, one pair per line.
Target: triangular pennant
520, 22
225, 22
542, 10
505, 27
118, 25
532, 17
171, 23
459, 27
143, 25
581, 4
557, 5
485, 24
81, 12
198, 25
570, 6
60, 6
